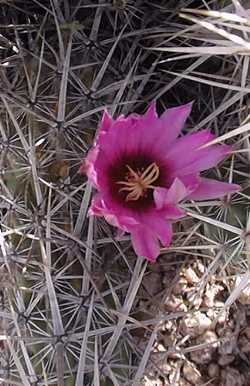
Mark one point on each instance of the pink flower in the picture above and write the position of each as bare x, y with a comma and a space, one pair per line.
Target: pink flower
142, 171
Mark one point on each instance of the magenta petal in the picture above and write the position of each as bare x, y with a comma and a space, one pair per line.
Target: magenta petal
145, 243
127, 224
107, 122
167, 210
112, 220
191, 181
172, 212
97, 207
88, 165
160, 195
158, 224
186, 149
176, 193
187, 156
151, 113
209, 189
150, 134
174, 119
208, 158
163, 230
120, 220
117, 140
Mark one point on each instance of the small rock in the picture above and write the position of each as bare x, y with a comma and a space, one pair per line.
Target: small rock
239, 318
169, 325
229, 343
191, 373
191, 276
225, 360
160, 348
210, 293
180, 287
217, 314
194, 298
210, 338
175, 304
201, 267
204, 355
247, 332
213, 370
247, 310
232, 377
244, 344
183, 382
155, 382
221, 311
219, 305
165, 367
195, 324
168, 340
174, 375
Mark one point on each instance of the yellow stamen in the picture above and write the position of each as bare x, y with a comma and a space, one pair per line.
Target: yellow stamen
137, 183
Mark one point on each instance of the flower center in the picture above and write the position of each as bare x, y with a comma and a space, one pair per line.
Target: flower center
138, 182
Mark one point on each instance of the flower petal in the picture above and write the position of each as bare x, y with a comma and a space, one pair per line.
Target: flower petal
151, 113
209, 189
88, 165
172, 212
176, 193
191, 182
107, 122
185, 149
160, 195
174, 119
97, 206
163, 230
148, 132
207, 159
157, 223
145, 243
119, 219
187, 157
117, 140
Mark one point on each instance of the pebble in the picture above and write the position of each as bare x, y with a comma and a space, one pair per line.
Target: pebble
204, 355
180, 287
210, 294
191, 276
244, 344
229, 343
213, 370
175, 304
195, 324
247, 332
194, 298
191, 373
183, 382
225, 360
232, 377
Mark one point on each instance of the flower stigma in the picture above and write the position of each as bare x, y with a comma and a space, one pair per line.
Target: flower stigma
138, 182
